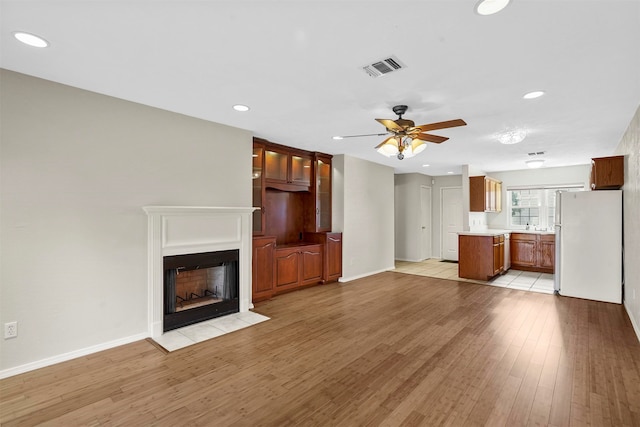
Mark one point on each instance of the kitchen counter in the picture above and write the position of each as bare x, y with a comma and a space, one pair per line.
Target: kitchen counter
497, 232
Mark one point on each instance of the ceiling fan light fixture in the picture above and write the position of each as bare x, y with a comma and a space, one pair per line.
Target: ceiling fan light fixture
535, 163
390, 148
418, 146
489, 7
513, 136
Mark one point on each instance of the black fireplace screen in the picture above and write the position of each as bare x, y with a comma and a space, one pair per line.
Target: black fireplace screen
199, 287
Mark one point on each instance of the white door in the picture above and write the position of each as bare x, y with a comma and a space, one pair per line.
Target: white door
425, 222
451, 222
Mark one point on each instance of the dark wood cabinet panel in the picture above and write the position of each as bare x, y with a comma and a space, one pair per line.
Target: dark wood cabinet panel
311, 265
287, 268
263, 267
607, 173
298, 266
332, 247
258, 189
334, 256
533, 252
480, 257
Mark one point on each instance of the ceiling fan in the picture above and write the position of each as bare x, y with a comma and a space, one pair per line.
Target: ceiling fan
407, 139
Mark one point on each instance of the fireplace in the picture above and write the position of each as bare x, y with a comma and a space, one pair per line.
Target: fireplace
199, 287
209, 235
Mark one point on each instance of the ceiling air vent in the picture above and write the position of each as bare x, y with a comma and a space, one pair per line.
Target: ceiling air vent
384, 66
537, 153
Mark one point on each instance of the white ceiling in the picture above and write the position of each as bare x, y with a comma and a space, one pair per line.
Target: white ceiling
297, 64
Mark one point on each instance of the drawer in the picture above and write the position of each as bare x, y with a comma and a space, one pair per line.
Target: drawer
524, 236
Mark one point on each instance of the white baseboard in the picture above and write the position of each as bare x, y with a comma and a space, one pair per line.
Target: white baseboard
633, 321
5, 373
360, 276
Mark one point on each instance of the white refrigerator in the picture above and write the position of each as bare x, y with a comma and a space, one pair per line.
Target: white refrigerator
589, 249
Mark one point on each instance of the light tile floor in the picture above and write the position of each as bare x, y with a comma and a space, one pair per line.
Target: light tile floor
513, 279
189, 335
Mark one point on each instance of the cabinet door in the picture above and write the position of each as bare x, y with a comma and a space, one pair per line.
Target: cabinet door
300, 170
334, 256
547, 252
276, 165
262, 269
523, 250
496, 259
498, 197
323, 194
258, 189
287, 264
607, 173
311, 264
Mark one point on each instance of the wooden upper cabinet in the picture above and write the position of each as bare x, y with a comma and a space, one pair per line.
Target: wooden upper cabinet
287, 169
258, 189
318, 216
607, 173
485, 194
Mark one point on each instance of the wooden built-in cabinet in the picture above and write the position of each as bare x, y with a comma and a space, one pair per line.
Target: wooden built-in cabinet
264, 249
287, 169
607, 173
533, 252
292, 188
332, 244
485, 194
298, 266
480, 257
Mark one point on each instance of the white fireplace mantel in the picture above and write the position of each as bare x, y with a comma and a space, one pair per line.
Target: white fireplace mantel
178, 230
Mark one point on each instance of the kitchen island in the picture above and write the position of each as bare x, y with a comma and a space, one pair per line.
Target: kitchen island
485, 254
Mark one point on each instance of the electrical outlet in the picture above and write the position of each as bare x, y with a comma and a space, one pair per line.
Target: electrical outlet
10, 330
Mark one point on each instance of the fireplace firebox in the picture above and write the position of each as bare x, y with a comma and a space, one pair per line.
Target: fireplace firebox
199, 287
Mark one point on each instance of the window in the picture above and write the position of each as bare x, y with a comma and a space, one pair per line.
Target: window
534, 207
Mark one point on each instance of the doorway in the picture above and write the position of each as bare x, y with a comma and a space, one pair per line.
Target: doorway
425, 222
451, 221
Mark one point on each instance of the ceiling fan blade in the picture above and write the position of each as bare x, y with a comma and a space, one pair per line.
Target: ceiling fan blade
366, 134
390, 124
384, 142
429, 138
440, 125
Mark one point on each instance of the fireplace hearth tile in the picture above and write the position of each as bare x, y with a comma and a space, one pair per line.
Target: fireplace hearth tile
193, 334
173, 340
201, 332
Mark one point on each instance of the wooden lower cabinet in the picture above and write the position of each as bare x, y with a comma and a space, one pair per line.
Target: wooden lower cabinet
264, 249
332, 243
480, 257
533, 252
297, 266
523, 250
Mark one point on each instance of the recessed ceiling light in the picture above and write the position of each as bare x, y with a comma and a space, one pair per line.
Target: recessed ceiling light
489, 7
425, 166
240, 107
534, 164
533, 95
450, 173
30, 39
337, 137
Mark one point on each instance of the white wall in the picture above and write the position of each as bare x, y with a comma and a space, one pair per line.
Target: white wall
76, 169
407, 211
367, 217
543, 176
630, 147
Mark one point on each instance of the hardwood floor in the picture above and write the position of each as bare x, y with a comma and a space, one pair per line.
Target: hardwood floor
392, 349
